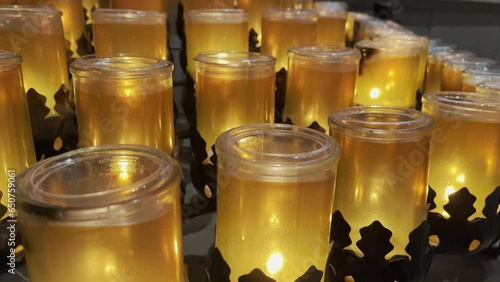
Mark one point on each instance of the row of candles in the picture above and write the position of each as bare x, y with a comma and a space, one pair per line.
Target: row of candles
276, 182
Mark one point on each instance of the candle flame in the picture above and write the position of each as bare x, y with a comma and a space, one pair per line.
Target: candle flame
275, 263
374, 93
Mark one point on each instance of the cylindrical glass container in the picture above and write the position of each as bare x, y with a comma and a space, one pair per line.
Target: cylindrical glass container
388, 73
383, 172
233, 89
124, 99
215, 30
472, 77
435, 61
17, 151
159, 6
110, 213
489, 86
274, 200
349, 26
464, 145
282, 29
321, 80
331, 23
142, 33
254, 9
45, 67
73, 19
453, 68
190, 5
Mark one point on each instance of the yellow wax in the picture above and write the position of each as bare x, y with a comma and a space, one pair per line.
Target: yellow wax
314, 90
148, 5
137, 250
204, 35
387, 80
280, 34
16, 145
331, 30
125, 112
146, 39
452, 79
464, 153
254, 9
44, 65
385, 182
433, 76
225, 101
282, 227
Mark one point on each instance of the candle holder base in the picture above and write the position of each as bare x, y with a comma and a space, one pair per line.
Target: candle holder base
458, 235
220, 271
375, 245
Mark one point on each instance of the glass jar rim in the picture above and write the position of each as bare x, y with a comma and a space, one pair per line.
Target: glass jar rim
31, 194
472, 104
466, 62
217, 15
388, 46
227, 145
408, 124
234, 59
324, 53
290, 15
331, 6
106, 15
422, 41
9, 60
442, 47
493, 70
120, 66
492, 85
21, 10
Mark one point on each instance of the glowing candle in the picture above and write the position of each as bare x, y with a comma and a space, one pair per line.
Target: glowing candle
331, 23
274, 200
434, 70
141, 33
233, 89
254, 9
382, 174
388, 73
283, 29
465, 142
44, 65
489, 86
16, 145
73, 19
215, 30
321, 80
107, 227
124, 100
472, 77
159, 6
453, 68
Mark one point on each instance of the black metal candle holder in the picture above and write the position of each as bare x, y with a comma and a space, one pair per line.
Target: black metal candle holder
375, 245
458, 235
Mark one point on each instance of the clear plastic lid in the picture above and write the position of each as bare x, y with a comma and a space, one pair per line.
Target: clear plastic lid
468, 62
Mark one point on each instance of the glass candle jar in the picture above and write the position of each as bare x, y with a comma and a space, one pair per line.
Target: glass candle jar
16, 145
331, 23
45, 67
388, 73
489, 86
142, 33
274, 199
435, 61
215, 30
282, 29
122, 99
233, 89
254, 9
109, 213
159, 6
321, 80
349, 25
383, 172
453, 68
473, 77
465, 145
72, 16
